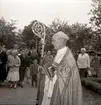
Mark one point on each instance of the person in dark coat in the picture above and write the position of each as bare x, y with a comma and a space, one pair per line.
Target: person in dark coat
25, 61
3, 61
34, 54
9, 54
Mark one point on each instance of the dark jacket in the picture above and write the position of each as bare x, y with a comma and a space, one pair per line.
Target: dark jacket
33, 69
25, 62
3, 60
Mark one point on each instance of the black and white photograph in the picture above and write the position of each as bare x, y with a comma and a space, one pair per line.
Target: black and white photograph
50, 52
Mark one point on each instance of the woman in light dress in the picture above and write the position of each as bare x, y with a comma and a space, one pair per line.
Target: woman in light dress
14, 64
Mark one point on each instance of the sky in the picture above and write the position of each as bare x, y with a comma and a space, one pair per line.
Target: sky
45, 11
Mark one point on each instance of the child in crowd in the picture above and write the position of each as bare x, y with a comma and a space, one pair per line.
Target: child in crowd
33, 72
28, 77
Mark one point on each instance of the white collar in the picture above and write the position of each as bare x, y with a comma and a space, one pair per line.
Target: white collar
60, 54
62, 49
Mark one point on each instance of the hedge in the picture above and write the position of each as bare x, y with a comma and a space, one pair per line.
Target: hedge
92, 84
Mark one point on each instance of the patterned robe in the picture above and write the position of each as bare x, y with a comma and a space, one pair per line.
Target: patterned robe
66, 90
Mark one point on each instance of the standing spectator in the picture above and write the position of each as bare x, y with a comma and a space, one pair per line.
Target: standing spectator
96, 62
47, 61
53, 53
34, 53
28, 62
14, 64
24, 64
33, 72
8, 59
83, 62
3, 61
15, 47
9, 63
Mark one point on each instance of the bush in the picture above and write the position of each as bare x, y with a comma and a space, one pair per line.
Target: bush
92, 84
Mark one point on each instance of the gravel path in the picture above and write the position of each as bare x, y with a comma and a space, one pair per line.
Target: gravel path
27, 96
91, 98
19, 96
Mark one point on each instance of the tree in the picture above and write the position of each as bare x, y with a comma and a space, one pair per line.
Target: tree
31, 39
19, 38
95, 20
96, 14
80, 35
7, 33
28, 36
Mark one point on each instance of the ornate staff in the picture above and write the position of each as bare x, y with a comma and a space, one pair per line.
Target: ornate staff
40, 31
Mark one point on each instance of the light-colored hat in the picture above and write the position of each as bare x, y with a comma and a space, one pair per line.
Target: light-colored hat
60, 34
8, 51
83, 49
14, 51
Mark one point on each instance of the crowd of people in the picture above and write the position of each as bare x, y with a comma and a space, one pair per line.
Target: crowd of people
17, 63
55, 77
18, 66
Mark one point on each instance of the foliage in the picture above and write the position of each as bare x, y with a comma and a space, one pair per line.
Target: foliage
95, 20
7, 33
19, 38
92, 85
96, 14
29, 37
80, 35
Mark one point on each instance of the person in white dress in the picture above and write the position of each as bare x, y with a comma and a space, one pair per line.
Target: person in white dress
14, 64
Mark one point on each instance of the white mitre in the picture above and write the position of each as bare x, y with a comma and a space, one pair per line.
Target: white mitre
60, 34
60, 52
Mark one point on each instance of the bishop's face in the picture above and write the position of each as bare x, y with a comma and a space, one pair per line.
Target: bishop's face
56, 43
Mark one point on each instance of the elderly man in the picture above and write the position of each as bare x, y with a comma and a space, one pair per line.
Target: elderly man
83, 62
64, 88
